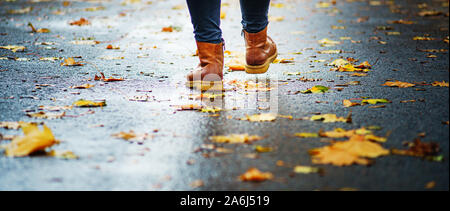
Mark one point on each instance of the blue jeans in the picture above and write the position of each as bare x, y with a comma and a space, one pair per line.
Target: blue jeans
205, 17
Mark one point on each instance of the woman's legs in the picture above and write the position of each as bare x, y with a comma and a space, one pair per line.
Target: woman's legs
205, 17
254, 15
261, 50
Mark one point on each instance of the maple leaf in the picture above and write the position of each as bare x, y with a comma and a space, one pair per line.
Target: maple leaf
423, 38
85, 42
307, 135
399, 84
355, 150
103, 78
264, 117
67, 155
42, 30
262, 149
84, 86
55, 108
316, 89
358, 145
131, 136
254, 175
236, 138
364, 65
88, 103
236, 64
374, 101
339, 63
81, 22
348, 103
283, 61
307, 170
329, 52
34, 140
70, 62
351, 68
210, 109
328, 43
335, 156
331, 118
442, 84
14, 125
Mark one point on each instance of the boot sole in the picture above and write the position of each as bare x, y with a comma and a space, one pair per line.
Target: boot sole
260, 69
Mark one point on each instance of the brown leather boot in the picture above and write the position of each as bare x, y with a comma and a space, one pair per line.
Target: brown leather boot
211, 63
261, 50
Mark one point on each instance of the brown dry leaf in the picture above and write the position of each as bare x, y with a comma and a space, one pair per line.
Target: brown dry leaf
399, 84
103, 78
34, 140
419, 149
70, 62
44, 115
81, 22
442, 84
254, 175
236, 138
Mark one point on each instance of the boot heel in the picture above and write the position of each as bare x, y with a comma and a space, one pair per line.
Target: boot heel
260, 69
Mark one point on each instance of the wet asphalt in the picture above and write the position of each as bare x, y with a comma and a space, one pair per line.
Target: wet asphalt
158, 61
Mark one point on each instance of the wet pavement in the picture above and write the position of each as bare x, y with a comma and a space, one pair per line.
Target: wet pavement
153, 63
